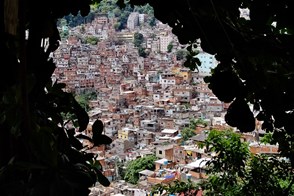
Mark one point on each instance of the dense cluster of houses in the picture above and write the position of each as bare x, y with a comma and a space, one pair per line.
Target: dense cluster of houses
144, 103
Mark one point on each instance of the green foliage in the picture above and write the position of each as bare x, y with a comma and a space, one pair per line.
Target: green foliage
110, 9
106, 6
76, 20
117, 26
146, 9
267, 138
137, 165
142, 52
92, 40
197, 122
138, 39
181, 54
230, 150
82, 100
123, 18
187, 133
268, 176
235, 171
176, 187
64, 35
152, 21
170, 47
225, 168
82, 29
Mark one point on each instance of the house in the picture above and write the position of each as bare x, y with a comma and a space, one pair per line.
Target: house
186, 74
165, 152
163, 163
197, 169
167, 122
259, 148
145, 137
214, 105
201, 137
183, 95
170, 132
110, 127
122, 145
127, 133
145, 173
179, 154
149, 125
163, 176
192, 153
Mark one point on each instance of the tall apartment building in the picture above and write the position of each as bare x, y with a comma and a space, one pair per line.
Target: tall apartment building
164, 40
141, 18
133, 20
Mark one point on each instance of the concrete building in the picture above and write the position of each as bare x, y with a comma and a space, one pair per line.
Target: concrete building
133, 20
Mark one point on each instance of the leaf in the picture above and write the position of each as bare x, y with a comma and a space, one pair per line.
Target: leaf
239, 115
102, 179
81, 177
30, 165
44, 140
75, 156
75, 143
121, 4
225, 84
89, 157
97, 127
58, 86
97, 165
82, 136
82, 115
70, 132
101, 139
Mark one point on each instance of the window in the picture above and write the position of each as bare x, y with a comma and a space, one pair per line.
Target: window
160, 152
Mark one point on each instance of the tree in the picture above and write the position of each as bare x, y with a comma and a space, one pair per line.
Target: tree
82, 29
255, 56
176, 187
235, 171
142, 52
83, 102
181, 54
137, 165
187, 133
170, 47
92, 40
229, 163
138, 39
40, 151
152, 21
197, 122
267, 138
